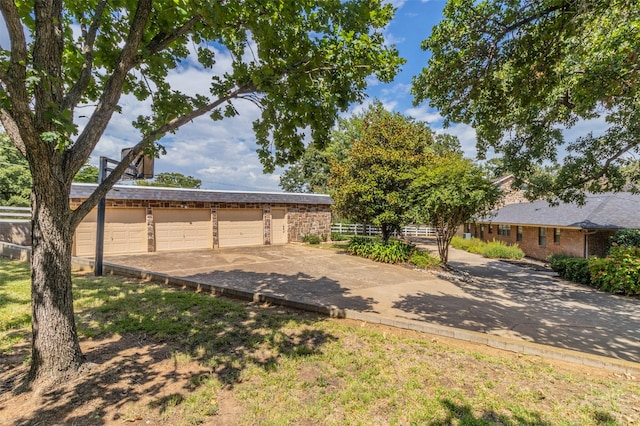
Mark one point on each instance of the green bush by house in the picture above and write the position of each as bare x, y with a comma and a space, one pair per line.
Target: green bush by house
618, 273
626, 237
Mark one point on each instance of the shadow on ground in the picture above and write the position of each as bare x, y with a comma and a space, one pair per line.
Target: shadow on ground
129, 329
298, 287
535, 306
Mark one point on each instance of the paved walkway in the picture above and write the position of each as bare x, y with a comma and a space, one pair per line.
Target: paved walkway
500, 299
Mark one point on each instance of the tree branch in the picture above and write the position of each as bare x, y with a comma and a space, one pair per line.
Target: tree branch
87, 140
180, 121
526, 20
13, 131
162, 40
20, 112
74, 95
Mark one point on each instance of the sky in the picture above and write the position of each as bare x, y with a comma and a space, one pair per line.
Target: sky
222, 154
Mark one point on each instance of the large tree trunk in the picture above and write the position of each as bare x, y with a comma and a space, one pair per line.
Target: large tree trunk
56, 352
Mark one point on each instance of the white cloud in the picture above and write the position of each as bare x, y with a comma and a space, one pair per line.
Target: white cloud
392, 40
396, 90
426, 114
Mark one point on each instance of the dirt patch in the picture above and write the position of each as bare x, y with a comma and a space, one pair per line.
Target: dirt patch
132, 380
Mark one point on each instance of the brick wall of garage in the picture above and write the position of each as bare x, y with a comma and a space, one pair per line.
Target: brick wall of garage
308, 219
302, 219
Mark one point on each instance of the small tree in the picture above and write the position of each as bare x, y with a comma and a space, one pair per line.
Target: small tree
311, 173
372, 185
15, 179
87, 174
449, 192
172, 180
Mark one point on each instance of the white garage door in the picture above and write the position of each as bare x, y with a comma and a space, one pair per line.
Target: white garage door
125, 231
240, 227
181, 229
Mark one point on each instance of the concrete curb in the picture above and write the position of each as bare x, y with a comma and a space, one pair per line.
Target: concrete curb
13, 251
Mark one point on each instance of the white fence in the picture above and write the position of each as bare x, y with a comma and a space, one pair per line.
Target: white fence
359, 229
14, 213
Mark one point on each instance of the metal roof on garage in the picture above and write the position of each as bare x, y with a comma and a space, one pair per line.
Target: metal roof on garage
600, 211
139, 193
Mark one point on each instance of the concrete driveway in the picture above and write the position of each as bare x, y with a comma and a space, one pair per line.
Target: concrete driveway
500, 299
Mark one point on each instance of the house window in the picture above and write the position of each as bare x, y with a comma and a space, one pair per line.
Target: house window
490, 228
482, 231
468, 228
504, 230
556, 235
519, 234
542, 236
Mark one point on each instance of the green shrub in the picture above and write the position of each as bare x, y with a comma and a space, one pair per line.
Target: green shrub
556, 262
374, 249
626, 237
336, 236
312, 239
577, 270
493, 250
472, 245
423, 259
500, 250
574, 269
619, 272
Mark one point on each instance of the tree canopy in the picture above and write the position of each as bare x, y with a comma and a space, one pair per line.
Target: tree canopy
450, 192
172, 180
299, 62
371, 185
523, 72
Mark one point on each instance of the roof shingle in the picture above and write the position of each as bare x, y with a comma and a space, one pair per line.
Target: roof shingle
131, 192
600, 211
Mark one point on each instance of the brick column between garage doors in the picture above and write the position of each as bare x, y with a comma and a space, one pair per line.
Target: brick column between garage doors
266, 221
151, 231
214, 227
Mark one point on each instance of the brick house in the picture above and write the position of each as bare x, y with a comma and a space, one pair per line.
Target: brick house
148, 219
580, 231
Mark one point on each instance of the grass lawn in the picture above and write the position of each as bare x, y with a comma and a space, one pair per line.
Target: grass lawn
170, 356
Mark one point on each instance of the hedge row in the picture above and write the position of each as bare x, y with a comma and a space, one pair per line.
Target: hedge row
619, 272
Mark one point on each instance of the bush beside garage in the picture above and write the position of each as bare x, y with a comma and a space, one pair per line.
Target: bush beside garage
149, 219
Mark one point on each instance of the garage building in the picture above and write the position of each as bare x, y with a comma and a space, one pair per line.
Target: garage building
142, 219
